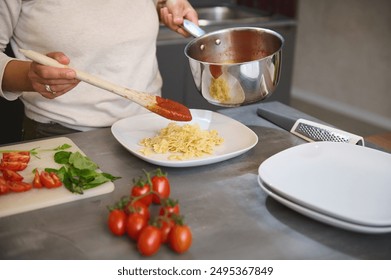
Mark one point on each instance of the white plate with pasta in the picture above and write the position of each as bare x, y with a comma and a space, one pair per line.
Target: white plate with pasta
220, 138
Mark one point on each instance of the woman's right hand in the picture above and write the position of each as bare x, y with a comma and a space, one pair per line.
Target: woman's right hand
173, 12
52, 82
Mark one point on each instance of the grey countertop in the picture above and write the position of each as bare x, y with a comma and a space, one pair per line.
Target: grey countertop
230, 215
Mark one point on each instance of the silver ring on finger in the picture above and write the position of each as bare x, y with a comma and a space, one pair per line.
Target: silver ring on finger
49, 89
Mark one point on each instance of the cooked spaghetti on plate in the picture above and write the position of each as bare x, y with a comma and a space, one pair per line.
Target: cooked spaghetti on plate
182, 142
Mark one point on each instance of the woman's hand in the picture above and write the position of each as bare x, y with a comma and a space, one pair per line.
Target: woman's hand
52, 82
173, 12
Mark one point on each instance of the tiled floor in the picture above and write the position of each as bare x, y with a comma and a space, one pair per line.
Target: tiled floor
340, 121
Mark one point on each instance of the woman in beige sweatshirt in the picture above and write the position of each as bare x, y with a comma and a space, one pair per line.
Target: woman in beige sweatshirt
115, 40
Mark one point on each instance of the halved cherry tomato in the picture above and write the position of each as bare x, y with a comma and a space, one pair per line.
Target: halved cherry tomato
13, 165
37, 180
169, 207
117, 222
160, 186
24, 153
23, 156
50, 180
4, 188
135, 224
180, 238
142, 188
149, 240
11, 175
19, 186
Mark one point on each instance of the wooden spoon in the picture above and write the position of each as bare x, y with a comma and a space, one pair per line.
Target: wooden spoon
164, 107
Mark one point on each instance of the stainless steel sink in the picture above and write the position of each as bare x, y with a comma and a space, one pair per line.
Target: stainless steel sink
228, 14
218, 17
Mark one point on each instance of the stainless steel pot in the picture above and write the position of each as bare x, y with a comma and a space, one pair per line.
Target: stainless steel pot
234, 66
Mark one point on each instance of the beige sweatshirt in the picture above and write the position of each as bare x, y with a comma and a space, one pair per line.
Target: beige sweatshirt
115, 40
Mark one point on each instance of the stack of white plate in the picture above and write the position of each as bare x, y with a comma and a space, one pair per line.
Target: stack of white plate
340, 184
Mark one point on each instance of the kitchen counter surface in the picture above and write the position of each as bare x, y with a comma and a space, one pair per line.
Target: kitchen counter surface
230, 215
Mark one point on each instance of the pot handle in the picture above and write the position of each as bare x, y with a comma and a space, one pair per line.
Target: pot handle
192, 28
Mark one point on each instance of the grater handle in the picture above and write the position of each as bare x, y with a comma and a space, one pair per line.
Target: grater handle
309, 130
280, 120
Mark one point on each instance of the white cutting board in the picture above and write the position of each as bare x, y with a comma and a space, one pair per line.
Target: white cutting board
14, 203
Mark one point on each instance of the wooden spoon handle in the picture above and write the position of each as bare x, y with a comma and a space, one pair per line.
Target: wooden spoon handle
140, 98
164, 107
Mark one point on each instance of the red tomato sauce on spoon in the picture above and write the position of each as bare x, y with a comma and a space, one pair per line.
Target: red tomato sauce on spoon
170, 109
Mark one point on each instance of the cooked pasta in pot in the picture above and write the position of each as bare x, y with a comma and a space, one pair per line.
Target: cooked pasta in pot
219, 90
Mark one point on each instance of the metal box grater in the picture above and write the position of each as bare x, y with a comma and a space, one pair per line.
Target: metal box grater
308, 130
312, 131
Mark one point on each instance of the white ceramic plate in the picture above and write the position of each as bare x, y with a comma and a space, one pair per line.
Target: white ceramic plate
321, 217
348, 182
238, 138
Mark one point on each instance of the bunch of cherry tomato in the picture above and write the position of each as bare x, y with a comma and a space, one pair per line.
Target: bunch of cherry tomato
12, 181
132, 216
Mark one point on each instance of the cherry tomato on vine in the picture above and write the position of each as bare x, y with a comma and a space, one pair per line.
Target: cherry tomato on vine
136, 206
142, 188
117, 222
135, 223
166, 226
169, 207
160, 186
149, 240
180, 238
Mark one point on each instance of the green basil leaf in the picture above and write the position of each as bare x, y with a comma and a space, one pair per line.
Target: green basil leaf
78, 172
82, 162
98, 180
87, 174
62, 173
51, 170
62, 147
110, 177
62, 157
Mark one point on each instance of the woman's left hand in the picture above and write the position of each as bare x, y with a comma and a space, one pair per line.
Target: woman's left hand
173, 12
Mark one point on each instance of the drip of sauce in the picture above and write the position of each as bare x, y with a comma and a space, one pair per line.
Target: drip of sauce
170, 109
215, 70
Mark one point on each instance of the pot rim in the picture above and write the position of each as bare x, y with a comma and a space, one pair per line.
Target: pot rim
227, 30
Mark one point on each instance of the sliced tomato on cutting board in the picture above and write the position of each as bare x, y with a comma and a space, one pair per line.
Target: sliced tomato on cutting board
19, 186
23, 156
13, 165
50, 180
11, 175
